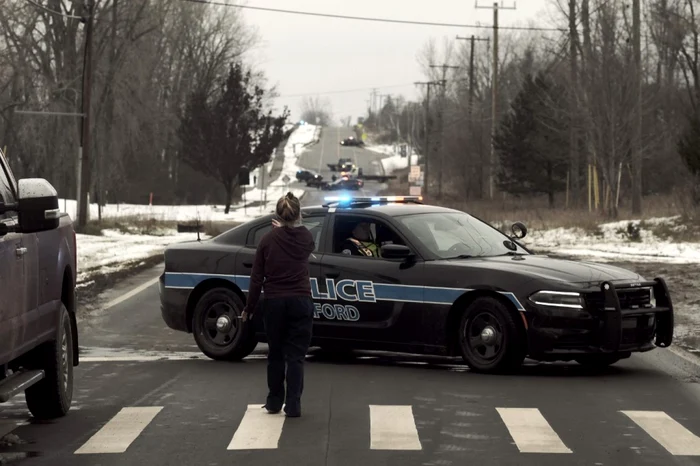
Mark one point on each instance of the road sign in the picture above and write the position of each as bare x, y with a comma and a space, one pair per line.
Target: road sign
414, 191
414, 174
286, 179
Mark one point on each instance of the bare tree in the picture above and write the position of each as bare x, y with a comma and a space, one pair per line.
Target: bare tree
317, 111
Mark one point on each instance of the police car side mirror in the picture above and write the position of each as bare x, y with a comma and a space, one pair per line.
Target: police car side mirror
519, 230
396, 251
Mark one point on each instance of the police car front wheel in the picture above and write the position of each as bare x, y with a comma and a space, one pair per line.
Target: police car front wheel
489, 338
217, 329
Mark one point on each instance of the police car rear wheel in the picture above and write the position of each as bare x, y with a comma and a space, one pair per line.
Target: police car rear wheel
489, 338
217, 329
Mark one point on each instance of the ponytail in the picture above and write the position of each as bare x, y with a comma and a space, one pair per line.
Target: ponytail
289, 209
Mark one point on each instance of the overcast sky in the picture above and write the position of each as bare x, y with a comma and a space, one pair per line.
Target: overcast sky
306, 55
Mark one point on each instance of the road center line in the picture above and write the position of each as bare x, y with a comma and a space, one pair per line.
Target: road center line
120, 431
531, 431
393, 428
130, 294
258, 430
669, 433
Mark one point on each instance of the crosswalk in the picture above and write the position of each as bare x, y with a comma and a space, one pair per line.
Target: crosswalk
393, 427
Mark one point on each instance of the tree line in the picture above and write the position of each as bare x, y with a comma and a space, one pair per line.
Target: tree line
164, 73
567, 105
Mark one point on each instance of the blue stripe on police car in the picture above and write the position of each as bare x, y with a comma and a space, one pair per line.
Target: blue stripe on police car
360, 291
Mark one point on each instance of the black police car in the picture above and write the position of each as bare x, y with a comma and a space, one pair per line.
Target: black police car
344, 183
446, 283
351, 141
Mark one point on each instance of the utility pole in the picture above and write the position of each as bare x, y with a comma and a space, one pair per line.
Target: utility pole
494, 88
470, 123
472, 44
426, 150
573, 107
84, 162
444, 68
637, 132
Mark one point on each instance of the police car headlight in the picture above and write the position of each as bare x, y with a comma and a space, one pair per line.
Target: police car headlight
563, 299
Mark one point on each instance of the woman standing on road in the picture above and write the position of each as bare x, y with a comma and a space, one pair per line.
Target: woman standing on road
281, 267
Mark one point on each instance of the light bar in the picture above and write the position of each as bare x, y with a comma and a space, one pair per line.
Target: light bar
344, 199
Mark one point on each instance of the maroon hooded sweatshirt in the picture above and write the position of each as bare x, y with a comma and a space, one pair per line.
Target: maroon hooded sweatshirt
282, 262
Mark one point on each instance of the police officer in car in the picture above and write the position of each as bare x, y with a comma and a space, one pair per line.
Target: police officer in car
361, 242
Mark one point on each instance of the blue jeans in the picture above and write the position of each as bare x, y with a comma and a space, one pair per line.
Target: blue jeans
288, 324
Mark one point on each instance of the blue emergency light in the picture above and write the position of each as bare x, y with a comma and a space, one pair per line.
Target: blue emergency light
371, 200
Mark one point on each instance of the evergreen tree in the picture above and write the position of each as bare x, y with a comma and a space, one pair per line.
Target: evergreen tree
531, 143
230, 131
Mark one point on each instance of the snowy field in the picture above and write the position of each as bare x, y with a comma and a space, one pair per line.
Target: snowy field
394, 161
612, 242
115, 250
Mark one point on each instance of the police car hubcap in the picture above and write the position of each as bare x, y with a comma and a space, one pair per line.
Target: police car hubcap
223, 324
488, 335
220, 328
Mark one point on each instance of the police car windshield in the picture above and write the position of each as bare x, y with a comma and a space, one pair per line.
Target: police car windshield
453, 235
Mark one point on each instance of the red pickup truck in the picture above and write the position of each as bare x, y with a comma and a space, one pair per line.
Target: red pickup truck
38, 331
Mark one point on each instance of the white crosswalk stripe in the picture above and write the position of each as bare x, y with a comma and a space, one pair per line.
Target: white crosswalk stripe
531, 431
120, 431
258, 430
669, 433
393, 428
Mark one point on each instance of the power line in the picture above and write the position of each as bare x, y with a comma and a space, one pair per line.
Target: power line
345, 90
364, 18
54, 12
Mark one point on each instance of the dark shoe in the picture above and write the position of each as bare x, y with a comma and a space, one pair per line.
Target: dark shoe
271, 410
292, 411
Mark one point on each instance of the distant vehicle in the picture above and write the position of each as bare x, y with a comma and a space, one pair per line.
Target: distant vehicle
343, 165
345, 182
315, 182
38, 331
305, 175
444, 283
351, 141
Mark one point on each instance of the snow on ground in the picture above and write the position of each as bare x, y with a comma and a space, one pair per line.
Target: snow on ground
613, 242
394, 161
301, 137
115, 251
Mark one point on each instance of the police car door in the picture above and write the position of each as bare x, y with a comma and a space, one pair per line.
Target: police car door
368, 299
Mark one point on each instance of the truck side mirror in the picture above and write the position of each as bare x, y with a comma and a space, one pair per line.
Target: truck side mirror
37, 206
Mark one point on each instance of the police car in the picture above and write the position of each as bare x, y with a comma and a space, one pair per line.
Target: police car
446, 283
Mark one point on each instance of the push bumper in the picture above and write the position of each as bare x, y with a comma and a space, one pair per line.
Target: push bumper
609, 327
173, 306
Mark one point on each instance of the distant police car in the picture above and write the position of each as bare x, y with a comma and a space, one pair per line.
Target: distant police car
446, 283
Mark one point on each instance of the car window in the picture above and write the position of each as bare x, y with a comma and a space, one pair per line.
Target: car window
313, 223
449, 235
382, 233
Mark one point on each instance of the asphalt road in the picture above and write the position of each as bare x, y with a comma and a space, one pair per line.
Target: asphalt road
328, 150
146, 396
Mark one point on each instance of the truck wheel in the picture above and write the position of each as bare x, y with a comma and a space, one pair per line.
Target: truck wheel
217, 329
489, 338
51, 397
598, 361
